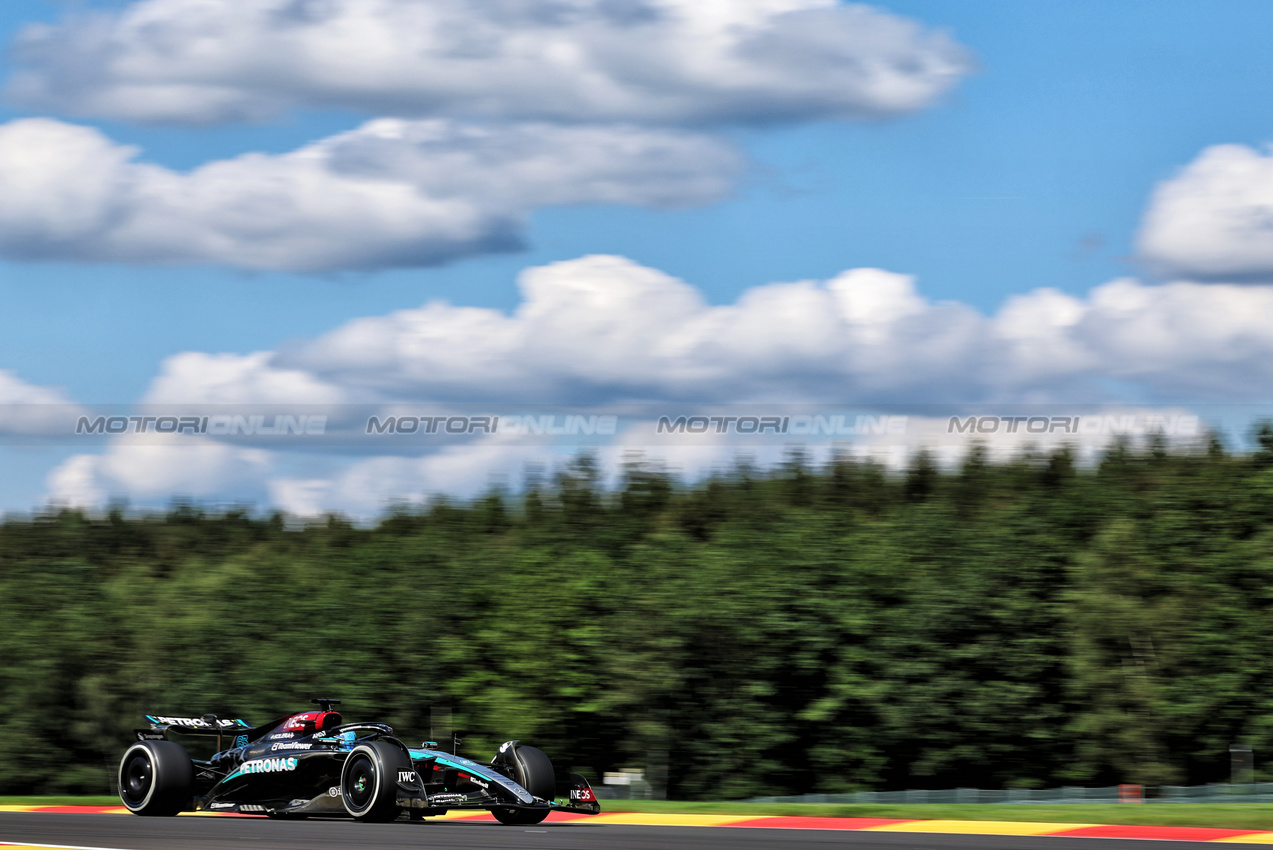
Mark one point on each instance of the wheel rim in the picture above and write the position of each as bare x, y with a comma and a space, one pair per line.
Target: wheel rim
362, 783
136, 779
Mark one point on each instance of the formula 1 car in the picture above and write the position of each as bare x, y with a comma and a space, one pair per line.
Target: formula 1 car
310, 763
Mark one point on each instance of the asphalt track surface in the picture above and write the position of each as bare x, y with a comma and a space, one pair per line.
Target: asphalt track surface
118, 832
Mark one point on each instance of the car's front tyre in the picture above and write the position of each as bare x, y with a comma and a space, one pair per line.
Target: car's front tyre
369, 781
533, 770
156, 778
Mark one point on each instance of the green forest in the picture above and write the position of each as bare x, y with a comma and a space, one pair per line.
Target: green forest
806, 628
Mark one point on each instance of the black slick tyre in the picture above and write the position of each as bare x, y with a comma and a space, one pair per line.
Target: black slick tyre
532, 770
369, 781
156, 778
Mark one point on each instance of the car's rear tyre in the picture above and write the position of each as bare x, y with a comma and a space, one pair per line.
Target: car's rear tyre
533, 770
369, 781
156, 778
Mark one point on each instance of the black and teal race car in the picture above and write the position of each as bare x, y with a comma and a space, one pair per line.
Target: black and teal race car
312, 764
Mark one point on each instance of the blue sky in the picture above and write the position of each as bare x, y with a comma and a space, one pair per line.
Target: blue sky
1034, 169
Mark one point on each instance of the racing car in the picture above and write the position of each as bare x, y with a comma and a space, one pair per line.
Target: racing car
310, 763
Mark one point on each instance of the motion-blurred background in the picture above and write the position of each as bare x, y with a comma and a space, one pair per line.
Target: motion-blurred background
835, 627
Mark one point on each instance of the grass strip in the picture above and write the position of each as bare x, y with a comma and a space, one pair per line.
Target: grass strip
1219, 815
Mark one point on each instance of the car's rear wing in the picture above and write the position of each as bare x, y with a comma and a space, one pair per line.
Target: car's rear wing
209, 724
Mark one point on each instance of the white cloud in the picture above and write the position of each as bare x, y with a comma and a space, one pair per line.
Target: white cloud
1182, 340
646, 61
603, 329
390, 193
157, 470
606, 328
27, 409
366, 487
75, 483
1214, 220
14, 390
196, 377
